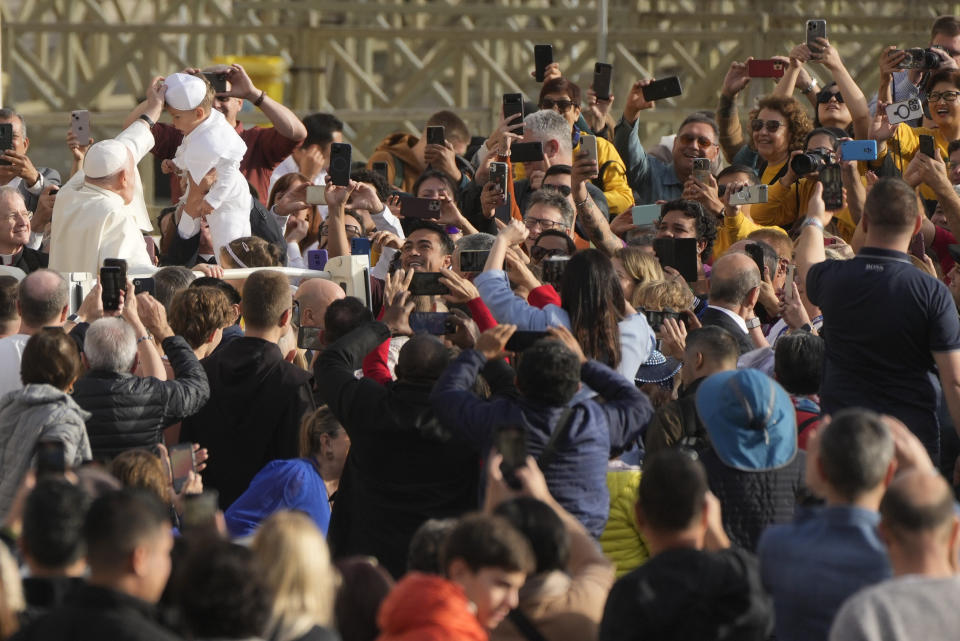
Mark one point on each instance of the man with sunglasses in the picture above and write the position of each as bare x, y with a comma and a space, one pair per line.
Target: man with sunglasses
651, 178
267, 147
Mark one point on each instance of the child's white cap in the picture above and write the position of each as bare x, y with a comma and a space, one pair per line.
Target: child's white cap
184, 92
105, 158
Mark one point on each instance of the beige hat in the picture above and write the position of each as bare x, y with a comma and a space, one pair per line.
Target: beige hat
185, 92
105, 158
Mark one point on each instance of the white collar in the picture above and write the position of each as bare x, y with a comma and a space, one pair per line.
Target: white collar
742, 323
105, 192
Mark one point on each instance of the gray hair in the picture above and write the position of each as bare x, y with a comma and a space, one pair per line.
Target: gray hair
546, 125
42, 294
7, 190
550, 198
170, 280
476, 242
736, 288
855, 452
6, 113
110, 345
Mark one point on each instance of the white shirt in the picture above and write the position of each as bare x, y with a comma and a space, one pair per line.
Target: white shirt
214, 144
11, 353
742, 323
91, 223
289, 166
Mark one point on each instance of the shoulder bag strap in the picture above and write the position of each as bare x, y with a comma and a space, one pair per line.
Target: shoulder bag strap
549, 452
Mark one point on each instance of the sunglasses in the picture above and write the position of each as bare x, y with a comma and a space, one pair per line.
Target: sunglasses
539, 253
702, 141
563, 190
562, 106
771, 125
824, 97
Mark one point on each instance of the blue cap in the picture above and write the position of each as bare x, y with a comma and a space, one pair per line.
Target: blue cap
750, 419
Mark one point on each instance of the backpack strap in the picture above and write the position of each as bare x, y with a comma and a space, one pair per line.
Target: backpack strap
598, 181
807, 423
549, 452
526, 627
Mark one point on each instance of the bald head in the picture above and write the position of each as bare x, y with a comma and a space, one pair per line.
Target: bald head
917, 504
42, 299
314, 296
733, 277
422, 358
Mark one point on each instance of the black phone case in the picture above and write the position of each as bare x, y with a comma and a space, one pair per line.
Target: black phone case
542, 56
340, 154
602, 77
522, 339
526, 152
660, 89
679, 253
6, 140
435, 136
513, 104
427, 284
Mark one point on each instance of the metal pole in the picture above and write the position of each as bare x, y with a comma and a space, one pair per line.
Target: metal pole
602, 6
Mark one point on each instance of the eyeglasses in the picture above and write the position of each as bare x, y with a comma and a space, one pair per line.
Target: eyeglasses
539, 253
350, 229
702, 141
17, 215
824, 97
771, 125
946, 96
531, 222
563, 106
563, 190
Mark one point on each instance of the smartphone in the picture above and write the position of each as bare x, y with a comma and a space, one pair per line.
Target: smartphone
832, 187
147, 285
526, 152
788, 284
511, 443
749, 195
200, 510
436, 323
111, 284
588, 145
513, 104
6, 140
679, 253
918, 248
858, 150
909, 109
381, 168
317, 259
411, 207
435, 136
182, 462
542, 56
655, 318
217, 80
522, 339
80, 125
118, 262
499, 174
602, 80
815, 29
309, 338
660, 89
755, 252
701, 170
428, 284
359, 246
50, 458
553, 269
928, 146
473, 261
645, 214
316, 195
765, 68
340, 153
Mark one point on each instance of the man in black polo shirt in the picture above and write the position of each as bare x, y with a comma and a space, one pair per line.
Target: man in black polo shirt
886, 323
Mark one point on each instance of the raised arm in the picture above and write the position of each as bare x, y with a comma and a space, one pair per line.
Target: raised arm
152, 107
593, 222
852, 95
284, 121
809, 249
728, 118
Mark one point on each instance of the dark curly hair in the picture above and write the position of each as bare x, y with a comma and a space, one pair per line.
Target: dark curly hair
798, 122
706, 224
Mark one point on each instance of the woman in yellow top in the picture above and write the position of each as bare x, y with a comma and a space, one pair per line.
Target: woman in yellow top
903, 140
778, 125
563, 96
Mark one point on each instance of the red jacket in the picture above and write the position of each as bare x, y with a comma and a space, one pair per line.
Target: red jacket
424, 607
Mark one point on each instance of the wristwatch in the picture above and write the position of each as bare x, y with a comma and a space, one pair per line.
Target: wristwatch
806, 327
753, 323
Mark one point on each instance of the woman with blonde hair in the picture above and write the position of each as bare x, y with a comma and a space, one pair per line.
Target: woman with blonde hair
635, 267
295, 563
661, 295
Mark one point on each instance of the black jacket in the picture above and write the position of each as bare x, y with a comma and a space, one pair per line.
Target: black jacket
98, 614
253, 417
750, 501
183, 251
403, 467
43, 594
715, 317
130, 411
30, 260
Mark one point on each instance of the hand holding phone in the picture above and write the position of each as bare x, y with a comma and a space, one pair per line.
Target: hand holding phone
542, 57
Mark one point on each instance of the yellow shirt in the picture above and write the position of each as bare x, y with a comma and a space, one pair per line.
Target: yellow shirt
909, 140
736, 228
784, 205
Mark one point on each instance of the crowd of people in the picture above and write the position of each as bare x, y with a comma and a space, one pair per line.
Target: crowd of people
546, 415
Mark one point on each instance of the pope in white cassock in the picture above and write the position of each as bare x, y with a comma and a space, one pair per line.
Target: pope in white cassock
100, 212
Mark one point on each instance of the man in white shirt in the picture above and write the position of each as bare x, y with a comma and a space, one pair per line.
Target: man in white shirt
100, 212
312, 157
42, 301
